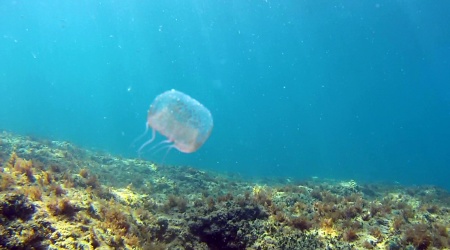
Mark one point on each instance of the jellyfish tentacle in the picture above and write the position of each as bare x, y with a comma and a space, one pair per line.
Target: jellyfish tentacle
142, 135
167, 151
155, 149
147, 142
166, 144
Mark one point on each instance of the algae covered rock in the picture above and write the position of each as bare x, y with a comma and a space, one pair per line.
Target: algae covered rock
16, 206
231, 226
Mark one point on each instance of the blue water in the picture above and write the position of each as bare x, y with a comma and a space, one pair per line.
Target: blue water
334, 89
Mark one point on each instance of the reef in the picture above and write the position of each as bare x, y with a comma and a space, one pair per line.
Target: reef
55, 195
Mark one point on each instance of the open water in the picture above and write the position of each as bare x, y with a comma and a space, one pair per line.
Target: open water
333, 89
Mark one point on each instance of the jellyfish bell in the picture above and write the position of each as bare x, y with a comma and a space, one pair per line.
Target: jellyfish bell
183, 121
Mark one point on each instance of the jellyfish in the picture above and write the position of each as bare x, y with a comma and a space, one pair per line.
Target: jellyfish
184, 121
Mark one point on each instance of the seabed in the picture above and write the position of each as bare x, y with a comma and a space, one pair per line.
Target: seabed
54, 195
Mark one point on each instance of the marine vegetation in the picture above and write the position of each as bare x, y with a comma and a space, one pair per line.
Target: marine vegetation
54, 195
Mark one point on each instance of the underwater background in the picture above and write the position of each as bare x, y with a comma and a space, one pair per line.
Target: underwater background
333, 89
